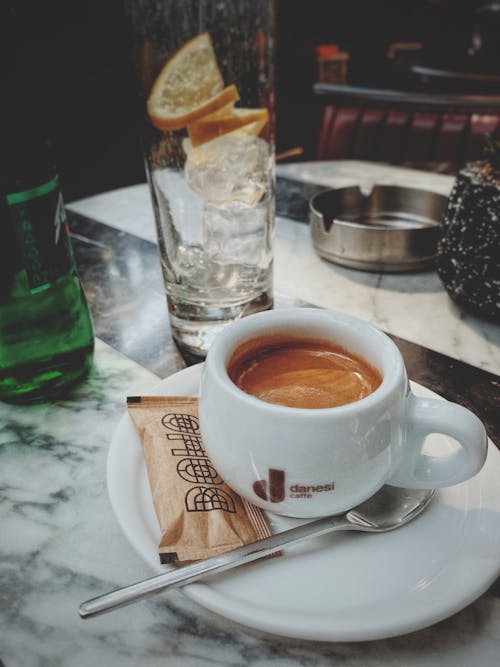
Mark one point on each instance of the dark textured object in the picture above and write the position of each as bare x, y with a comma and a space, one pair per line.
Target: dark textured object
468, 258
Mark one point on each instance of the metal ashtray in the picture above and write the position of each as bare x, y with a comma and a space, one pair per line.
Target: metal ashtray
390, 229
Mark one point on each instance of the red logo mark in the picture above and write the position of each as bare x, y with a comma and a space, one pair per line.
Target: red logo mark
276, 486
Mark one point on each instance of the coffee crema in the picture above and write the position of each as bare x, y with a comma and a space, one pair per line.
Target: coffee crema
301, 372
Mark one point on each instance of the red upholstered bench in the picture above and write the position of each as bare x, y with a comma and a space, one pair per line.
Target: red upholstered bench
370, 124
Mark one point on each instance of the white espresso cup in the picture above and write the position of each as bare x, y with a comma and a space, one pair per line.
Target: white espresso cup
313, 462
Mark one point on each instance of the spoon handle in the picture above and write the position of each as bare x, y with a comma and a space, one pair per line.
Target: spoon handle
226, 561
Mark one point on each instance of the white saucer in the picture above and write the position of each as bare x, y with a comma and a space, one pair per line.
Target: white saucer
345, 586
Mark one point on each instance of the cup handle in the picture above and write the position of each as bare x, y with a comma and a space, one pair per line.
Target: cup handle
423, 471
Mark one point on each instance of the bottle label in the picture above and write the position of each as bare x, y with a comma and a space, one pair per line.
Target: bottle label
38, 219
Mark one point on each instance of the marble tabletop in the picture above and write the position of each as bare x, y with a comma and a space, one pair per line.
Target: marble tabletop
59, 540
414, 306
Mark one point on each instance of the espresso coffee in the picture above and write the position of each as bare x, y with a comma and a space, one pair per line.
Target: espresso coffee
301, 373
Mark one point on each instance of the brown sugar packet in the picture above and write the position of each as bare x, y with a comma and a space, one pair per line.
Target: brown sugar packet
199, 515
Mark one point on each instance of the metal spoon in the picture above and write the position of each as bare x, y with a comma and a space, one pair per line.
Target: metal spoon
388, 509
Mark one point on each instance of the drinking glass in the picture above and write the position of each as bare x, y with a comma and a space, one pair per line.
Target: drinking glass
207, 89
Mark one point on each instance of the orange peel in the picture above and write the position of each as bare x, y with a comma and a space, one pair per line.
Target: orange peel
189, 86
228, 120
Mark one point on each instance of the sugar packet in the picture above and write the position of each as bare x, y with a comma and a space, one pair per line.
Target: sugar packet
199, 515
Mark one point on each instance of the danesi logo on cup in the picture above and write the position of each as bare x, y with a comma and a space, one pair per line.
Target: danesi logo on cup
276, 486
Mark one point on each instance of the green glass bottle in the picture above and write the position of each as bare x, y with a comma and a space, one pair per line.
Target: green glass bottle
46, 332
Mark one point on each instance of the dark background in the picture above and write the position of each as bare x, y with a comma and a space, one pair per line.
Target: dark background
67, 67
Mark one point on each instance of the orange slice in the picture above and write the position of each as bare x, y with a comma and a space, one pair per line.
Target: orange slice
229, 120
189, 86
251, 129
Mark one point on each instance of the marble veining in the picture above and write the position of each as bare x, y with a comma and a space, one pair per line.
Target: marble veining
122, 278
342, 173
413, 306
60, 543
